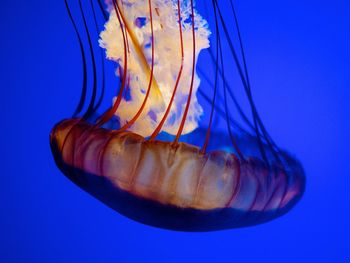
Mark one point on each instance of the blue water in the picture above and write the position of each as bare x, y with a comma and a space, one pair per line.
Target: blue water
298, 53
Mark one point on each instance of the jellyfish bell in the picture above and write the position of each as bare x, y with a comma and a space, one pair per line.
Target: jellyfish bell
159, 166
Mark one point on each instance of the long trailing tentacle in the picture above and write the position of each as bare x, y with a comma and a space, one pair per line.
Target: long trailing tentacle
243, 79
159, 127
110, 112
89, 111
207, 137
182, 124
103, 11
230, 90
220, 111
267, 137
99, 101
81, 103
139, 112
228, 122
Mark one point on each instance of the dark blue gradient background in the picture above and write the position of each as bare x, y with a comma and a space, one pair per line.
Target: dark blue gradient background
298, 54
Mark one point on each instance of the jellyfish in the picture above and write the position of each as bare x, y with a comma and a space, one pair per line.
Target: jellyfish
175, 148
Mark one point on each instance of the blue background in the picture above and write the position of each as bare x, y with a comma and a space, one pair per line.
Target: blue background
298, 53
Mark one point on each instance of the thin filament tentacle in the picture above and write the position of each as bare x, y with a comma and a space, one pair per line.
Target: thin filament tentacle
137, 115
99, 101
89, 111
267, 137
159, 127
192, 79
233, 140
109, 113
207, 137
138, 50
244, 81
83, 57
105, 16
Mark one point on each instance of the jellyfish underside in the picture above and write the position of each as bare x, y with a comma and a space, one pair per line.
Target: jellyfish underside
170, 174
